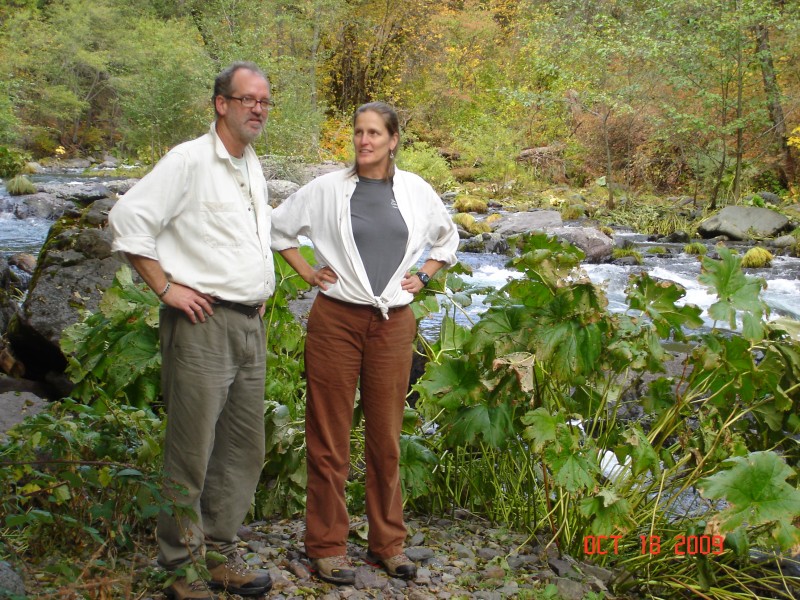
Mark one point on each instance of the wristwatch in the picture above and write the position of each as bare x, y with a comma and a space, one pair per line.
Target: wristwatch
423, 277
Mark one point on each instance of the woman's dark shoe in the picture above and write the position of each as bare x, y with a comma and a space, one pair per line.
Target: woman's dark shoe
399, 565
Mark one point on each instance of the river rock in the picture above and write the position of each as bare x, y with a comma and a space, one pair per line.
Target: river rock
77, 191
11, 583
280, 190
485, 243
595, 244
743, 223
11, 288
39, 205
528, 222
784, 241
75, 267
120, 186
24, 262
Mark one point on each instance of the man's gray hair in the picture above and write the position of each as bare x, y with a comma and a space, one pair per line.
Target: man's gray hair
223, 82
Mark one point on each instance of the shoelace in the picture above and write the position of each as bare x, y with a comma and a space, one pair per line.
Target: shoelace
198, 585
237, 565
340, 562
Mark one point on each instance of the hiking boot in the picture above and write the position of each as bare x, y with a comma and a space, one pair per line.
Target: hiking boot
399, 565
334, 569
197, 590
236, 577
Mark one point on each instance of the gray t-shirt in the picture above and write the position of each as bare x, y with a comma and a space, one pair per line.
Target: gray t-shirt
380, 233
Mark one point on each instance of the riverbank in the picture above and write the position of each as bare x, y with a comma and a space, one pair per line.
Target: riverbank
460, 557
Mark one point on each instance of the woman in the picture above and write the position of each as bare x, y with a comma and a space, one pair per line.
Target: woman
369, 225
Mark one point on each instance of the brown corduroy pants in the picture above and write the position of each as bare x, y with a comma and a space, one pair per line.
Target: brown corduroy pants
347, 343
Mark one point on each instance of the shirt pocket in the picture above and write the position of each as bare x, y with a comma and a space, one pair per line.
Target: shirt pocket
222, 224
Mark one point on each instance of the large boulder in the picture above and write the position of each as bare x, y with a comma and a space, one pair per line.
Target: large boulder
744, 223
280, 190
75, 267
528, 222
77, 191
41, 205
595, 244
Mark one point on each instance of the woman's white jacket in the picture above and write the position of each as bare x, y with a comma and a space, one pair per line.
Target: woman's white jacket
320, 211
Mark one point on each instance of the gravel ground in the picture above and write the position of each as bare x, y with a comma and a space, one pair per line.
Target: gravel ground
456, 558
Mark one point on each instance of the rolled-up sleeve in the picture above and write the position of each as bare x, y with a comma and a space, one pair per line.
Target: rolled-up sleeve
443, 233
147, 208
290, 220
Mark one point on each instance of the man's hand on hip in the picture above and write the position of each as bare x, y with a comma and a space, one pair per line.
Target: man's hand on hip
195, 304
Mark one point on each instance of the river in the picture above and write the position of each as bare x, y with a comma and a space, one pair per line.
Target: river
783, 278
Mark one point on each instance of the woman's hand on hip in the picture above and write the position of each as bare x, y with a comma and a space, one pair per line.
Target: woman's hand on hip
323, 277
411, 284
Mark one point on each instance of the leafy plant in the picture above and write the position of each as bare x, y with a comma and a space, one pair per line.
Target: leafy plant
11, 162
422, 159
534, 398
81, 480
112, 355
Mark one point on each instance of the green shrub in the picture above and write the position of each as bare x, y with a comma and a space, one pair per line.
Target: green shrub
20, 185
423, 160
657, 250
465, 204
11, 162
696, 248
757, 258
573, 212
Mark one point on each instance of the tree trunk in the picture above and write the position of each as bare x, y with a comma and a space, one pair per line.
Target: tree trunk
737, 177
773, 93
607, 142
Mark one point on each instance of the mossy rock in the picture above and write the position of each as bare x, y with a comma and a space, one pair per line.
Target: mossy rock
696, 248
757, 258
619, 253
466, 204
467, 221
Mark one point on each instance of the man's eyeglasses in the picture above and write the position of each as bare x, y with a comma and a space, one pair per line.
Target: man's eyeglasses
250, 102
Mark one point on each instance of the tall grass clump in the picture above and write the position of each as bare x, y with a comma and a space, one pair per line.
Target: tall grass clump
20, 185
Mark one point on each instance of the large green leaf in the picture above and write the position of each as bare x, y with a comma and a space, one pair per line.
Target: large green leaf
608, 511
735, 290
657, 299
453, 383
756, 490
416, 464
542, 427
573, 462
493, 424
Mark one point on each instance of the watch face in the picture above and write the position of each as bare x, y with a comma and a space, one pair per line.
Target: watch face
424, 277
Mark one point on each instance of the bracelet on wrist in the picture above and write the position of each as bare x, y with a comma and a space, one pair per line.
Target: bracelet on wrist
423, 277
164, 291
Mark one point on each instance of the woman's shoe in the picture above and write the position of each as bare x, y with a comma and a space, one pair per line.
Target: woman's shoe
399, 565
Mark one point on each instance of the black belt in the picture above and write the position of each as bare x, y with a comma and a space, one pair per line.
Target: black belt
246, 309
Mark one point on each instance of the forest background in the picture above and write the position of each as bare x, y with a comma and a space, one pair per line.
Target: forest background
661, 96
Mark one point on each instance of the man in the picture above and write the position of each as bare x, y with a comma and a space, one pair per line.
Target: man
197, 230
